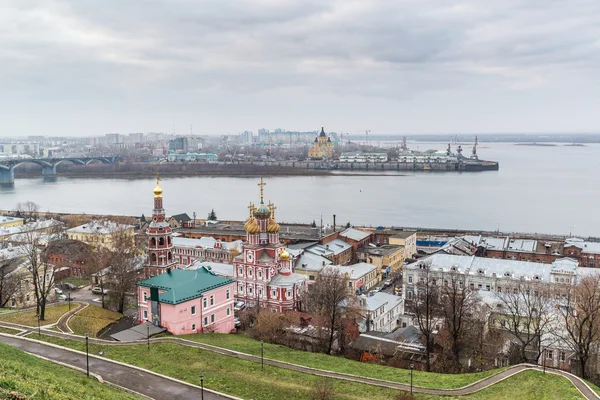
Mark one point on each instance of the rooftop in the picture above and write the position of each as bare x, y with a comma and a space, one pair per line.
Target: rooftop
6, 219
354, 271
511, 269
29, 227
183, 285
379, 299
355, 234
403, 234
206, 242
311, 262
383, 250
99, 227
586, 247
334, 247
287, 280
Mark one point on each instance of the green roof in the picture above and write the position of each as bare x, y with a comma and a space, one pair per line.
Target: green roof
183, 285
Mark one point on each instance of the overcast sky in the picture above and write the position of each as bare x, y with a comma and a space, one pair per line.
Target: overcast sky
86, 67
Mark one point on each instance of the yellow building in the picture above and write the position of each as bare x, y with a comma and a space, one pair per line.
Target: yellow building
406, 239
388, 258
322, 147
10, 222
99, 233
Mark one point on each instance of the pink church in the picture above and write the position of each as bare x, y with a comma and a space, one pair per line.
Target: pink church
181, 301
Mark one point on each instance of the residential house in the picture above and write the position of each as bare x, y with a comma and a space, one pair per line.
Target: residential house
187, 302
180, 221
70, 256
309, 264
10, 222
407, 239
383, 312
99, 233
587, 253
40, 227
337, 251
361, 276
388, 258
356, 238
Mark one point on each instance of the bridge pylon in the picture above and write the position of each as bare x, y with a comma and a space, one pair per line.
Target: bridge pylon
7, 176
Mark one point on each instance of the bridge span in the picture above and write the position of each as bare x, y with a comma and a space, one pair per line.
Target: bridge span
7, 167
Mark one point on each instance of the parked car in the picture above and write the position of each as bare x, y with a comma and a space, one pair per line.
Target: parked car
387, 282
68, 286
239, 306
98, 290
58, 291
62, 297
236, 321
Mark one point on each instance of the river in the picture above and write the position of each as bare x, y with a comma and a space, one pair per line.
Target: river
537, 189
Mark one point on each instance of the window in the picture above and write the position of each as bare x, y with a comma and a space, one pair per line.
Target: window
212, 300
241, 271
250, 289
249, 271
205, 321
536, 277
205, 303
260, 273
507, 274
145, 314
499, 289
212, 318
193, 327
410, 279
193, 310
549, 354
13, 302
28, 297
227, 294
480, 271
145, 297
311, 277
228, 311
479, 286
274, 292
562, 356
349, 284
487, 287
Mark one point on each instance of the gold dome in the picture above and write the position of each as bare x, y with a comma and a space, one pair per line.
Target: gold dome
157, 191
284, 255
273, 227
252, 227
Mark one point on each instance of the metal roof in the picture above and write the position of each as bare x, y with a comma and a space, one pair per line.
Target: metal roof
355, 234
183, 285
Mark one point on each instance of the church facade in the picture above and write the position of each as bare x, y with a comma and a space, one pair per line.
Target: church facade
264, 270
322, 148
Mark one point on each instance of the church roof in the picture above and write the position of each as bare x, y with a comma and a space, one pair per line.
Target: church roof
182, 285
322, 134
265, 257
287, 280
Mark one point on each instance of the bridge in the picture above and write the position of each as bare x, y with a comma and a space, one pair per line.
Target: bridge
7, 167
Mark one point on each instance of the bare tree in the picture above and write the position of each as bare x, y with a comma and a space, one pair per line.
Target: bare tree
329, 299
459, 304
10, 283
41, 270
581, 319
426, 308
526, 311
27, 210
122, 271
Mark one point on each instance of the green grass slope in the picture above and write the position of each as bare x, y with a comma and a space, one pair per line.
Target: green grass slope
29, 377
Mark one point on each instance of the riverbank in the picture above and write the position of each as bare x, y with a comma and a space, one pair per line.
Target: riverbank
182, 170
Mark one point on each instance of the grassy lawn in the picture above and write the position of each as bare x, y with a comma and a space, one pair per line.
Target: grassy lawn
92, 319
53, 313
527, 385
246, 380
38, 379
248, 345
9, 331
76, 281
227, 374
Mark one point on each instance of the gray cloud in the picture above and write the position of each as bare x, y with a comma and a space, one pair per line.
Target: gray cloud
391, 66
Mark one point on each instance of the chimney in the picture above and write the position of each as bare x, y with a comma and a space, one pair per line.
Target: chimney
334, 222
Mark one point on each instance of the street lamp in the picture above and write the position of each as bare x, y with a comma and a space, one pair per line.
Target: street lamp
412, 366
87, 355
69, 300
544, 360
39, 332
201, 387
498, 226
262, 355
148, 336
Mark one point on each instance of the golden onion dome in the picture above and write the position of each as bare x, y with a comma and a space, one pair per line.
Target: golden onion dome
252, 227
284, 255
157, 191
273, 226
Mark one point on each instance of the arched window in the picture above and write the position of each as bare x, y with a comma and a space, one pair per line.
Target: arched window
169, 240
507, 274
153, 258
161, 241
153, 242
480, 271
169, 256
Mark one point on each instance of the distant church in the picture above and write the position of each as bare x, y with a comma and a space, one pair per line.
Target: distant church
322, 147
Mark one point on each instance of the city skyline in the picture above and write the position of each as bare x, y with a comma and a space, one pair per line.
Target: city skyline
86, 69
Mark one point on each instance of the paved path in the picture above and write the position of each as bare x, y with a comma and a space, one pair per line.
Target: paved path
474, 387
145, 383
62, 321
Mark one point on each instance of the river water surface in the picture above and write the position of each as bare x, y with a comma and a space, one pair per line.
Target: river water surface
537, 189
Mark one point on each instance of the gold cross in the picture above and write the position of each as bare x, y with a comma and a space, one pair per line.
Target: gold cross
261, 185
157, 178
272, 208
251, 208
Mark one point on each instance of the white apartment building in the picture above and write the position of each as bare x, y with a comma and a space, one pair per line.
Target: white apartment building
383, 312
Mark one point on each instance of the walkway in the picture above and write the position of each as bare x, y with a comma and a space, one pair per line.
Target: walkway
585, 390
147, 384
